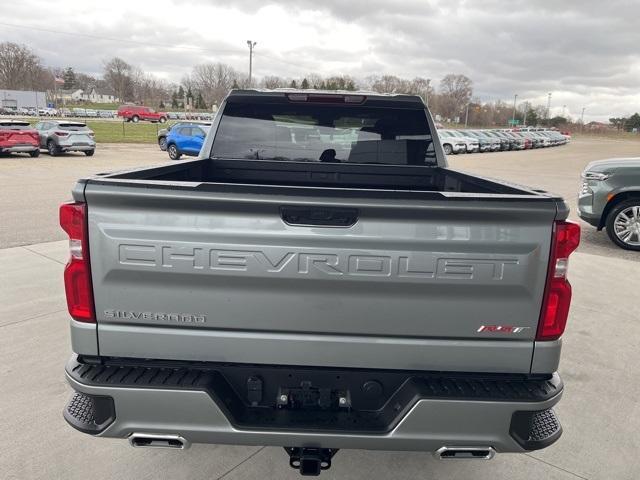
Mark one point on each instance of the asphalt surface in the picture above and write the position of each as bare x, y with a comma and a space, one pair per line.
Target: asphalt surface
600, 410
32, 189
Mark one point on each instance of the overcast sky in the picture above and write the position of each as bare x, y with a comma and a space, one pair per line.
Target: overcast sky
586, 52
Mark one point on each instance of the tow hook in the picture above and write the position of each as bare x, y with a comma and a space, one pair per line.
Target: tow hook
310, 461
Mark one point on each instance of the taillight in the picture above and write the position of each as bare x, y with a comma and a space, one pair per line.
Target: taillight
557, 294
61, 134
77, 273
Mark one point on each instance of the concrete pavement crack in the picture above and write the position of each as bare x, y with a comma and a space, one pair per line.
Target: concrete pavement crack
32, 318
43, 255
557, 467
241, 463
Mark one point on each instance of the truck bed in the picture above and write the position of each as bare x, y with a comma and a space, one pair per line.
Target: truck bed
202, 172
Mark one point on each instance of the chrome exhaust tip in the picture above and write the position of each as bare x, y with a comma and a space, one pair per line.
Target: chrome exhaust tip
465, 453
157, 440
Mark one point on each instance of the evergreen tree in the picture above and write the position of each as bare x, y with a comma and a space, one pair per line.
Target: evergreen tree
293, 84
69, 77
305, 84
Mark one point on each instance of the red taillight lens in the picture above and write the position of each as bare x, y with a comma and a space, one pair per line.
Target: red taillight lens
77, 273
557, 294
61, 134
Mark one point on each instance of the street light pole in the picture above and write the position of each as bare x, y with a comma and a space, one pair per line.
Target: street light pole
466, 116
426, 95
582, 119
250, 45
548, 105
526, 110
513, 118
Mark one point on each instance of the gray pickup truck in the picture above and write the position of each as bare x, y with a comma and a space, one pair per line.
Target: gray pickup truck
317, 279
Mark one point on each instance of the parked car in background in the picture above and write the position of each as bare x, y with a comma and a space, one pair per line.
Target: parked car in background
18, 136
487, 143
135, 113
163, 132
106, 113
472, 144
526, 141
78, 112
59, 136
90, 113
505, 143
451, 143
610, 198
186, 139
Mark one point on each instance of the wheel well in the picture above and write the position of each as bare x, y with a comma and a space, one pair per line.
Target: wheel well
620, 197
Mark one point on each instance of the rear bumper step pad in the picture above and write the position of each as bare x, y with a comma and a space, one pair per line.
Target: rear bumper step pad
226, 385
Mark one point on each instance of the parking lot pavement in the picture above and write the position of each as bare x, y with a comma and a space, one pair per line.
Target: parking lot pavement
32, 189
600, 411
556, 170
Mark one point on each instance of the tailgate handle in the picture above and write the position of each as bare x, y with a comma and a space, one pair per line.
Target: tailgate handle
319, 216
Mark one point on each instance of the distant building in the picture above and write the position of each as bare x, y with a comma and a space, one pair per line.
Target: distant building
15, 99
96, 96
93, 96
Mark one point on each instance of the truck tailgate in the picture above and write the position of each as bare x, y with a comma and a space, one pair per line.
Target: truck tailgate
185, 274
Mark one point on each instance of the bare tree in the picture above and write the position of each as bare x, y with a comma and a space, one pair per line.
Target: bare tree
455, 93
20, 68
274, 81
117, 74
213, 81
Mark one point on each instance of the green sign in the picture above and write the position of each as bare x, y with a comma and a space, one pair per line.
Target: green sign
514, 122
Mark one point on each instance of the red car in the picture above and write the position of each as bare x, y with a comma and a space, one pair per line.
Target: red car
135, 113
18, 136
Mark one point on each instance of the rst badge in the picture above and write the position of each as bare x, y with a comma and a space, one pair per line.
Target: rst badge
501, 329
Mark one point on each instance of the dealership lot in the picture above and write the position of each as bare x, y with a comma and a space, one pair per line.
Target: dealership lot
600, 411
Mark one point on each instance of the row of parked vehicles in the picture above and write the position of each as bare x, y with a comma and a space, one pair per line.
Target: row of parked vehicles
55, 136
472, 141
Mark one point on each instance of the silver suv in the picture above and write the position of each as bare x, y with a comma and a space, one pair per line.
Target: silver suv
610, 198
59, 136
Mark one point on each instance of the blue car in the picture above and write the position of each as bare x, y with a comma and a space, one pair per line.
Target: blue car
186, 139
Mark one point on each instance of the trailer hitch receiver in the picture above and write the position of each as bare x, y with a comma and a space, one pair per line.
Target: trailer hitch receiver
310, 461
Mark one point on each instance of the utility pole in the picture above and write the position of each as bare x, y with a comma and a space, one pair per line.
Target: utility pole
427, 93
582, 119
526, 110
513, 118
548, 105
564, 107
251, 45
466, 116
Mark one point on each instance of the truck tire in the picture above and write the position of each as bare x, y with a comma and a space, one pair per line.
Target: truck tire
135, 119
174, 153
623, 224
53, 149
34, 154
447, 149
162, 120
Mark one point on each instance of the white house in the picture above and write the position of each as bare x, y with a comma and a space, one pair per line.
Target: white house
99, 97
94, 96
